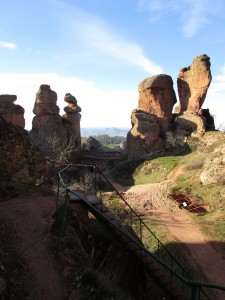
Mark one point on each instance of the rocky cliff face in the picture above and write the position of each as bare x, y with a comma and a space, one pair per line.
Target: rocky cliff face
11, 112
20, 159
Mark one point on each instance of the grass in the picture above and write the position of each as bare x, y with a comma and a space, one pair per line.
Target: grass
154, 242
155, 170
145, 171
211, 196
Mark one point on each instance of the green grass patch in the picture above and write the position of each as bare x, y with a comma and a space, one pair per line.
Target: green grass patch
144, 171
155, 170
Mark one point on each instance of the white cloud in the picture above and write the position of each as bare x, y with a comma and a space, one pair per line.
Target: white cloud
193, 14
100, 107
98, 36
215, 99
7, 45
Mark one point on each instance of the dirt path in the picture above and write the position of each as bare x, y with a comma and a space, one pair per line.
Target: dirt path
31, 219
152, 198
31, 216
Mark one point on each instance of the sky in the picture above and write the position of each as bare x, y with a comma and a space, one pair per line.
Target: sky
100, 50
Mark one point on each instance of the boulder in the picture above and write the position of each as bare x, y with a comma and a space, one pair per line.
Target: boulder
91, 144
144, 137
45, 102
153, 116
157, 97
47, 125
71, 121
11, 112
193, 83
214, 168
189, 123
209, 120
21, 160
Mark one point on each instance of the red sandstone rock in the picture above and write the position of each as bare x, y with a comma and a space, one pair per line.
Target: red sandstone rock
189, 123
144, 137
11, 112
22, 162
153, 116
157, 97
71, 120
45, 102
193, 83
47, 123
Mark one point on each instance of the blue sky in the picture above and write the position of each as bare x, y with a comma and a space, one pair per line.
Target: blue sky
99, 51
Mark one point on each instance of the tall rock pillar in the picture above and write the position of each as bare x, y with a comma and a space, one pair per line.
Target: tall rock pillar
47, 123
153, 116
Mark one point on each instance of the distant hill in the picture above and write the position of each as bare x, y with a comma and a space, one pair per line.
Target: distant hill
111, 131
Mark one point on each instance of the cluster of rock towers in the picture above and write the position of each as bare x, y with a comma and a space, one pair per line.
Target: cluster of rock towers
154, 117
47, 123
156, 114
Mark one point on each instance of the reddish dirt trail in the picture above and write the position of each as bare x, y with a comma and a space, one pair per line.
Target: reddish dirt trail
196, 245
200, 249
31, 217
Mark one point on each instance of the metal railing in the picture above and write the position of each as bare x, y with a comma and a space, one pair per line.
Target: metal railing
179, 277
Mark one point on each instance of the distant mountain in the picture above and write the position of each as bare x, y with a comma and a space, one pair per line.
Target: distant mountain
111, 131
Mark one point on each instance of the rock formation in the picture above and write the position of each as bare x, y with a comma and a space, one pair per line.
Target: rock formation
52, 134
71, 120
214, 167
21, 160
157, 97
11, 112
91, 144
153, 116
144, 137
193, 83
47, 123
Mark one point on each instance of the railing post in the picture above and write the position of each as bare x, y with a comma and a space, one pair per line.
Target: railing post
194, 293
57, 198
171, 267
61, 229
95, 179
100, 187
140, 231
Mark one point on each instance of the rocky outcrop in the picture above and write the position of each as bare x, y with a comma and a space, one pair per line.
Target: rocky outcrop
21, 160
54, 135
11, 112
153, 116
193, 83
91, 144
214, 167
71, 120
190, 124
47, 124
157, 97
144, 137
